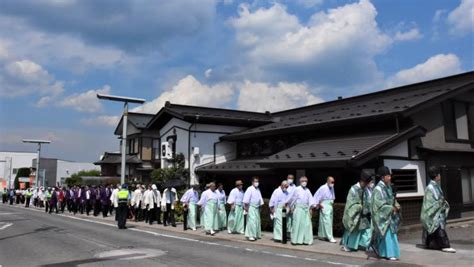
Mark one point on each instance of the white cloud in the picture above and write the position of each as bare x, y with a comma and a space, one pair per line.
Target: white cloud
340, 41
437, 66
25, 77
101, 121
264, 97
85, 102
208, 73
412, 34
190, 91
461, 19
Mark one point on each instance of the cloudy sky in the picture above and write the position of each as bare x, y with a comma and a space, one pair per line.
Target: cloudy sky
55, 55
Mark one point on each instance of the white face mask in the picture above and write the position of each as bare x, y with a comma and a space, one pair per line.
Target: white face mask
303, 184
331, 185
290, 181
255, 184
283, 189
371, 185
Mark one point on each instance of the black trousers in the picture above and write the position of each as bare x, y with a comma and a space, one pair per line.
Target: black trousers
168, 217
152, 215
105, 210
27, 204
122, 212
437, 240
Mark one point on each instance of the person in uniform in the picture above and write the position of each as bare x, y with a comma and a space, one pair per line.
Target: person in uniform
123, 201
252, 202
324, 199
28, 195
189, 199
385, 217
235, 222
222, 213
434, 213
353, 212
168, 203
209, 203
301, 202
276, 205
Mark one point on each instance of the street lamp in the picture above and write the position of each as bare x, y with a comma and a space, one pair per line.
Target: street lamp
125, 100
38, 142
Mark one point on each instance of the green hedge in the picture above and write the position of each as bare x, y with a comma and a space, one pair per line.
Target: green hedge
267, 224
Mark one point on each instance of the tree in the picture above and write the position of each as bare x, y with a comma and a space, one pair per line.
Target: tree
76, 178
178, 171
22, 172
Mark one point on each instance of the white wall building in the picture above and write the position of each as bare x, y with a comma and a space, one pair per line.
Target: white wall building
12, 162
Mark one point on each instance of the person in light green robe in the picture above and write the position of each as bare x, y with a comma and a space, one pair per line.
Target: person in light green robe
302, 203
386, 217
252, 202
235, 221
353, 212
434, 213
324, 200
221, 211
366, 222
209, 202
277, 204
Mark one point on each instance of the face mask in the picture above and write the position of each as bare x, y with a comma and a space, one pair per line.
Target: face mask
371, 185
290, 181
331, 185
255, 184
284, 189
303, 184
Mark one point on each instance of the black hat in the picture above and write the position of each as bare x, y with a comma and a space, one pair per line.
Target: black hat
433, 171
383, 170
365, 176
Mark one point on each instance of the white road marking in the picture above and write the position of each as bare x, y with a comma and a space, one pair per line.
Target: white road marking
7, 213
206, 242
131, 254
5, 226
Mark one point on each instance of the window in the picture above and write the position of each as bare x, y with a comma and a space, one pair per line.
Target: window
467, 180
15, 170
461, 121
405, 180
156, 148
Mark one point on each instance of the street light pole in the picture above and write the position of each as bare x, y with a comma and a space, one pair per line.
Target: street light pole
125, 100
38, 142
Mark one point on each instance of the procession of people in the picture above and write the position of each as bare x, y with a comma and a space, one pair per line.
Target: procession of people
371, 217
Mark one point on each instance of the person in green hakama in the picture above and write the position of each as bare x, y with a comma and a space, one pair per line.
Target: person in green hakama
302, 204
385, 212
353, 214
276, 204
252, 202
324, 199
221, 211
209, 203
366, 222
190, 200
434, 213
235, 222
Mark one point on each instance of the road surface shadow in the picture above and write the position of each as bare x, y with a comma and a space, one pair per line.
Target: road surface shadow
92, 260
39, 230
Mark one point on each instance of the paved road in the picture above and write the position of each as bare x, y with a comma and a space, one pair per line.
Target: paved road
33, 238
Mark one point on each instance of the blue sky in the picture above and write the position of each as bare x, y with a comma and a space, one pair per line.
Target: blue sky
55, 55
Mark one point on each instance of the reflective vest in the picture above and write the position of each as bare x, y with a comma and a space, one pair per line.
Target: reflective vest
29, 194
123, 196
48, 195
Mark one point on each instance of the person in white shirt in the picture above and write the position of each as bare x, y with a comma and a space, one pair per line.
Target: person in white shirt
189, 200
137, 202
252, 202
152, 200
113, 198
168, 203
235, 222
222, 213
209, 203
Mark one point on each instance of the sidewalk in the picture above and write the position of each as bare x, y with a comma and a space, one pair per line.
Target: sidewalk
410, 249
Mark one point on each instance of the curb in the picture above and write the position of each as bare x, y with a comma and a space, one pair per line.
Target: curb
418, 227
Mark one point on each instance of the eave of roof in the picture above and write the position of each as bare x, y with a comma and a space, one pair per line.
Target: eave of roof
119, 124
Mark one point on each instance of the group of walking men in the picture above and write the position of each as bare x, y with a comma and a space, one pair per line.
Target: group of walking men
371, 215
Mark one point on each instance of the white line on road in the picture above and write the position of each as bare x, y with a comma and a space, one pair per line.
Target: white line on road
208, 243
6, 226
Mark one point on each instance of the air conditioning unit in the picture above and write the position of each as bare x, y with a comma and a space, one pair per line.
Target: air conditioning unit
166, 152
196, 151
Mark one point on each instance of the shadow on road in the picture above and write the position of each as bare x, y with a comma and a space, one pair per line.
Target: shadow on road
39, 230
92, 260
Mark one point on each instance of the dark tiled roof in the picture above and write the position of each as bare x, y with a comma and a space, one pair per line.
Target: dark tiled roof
209, 115
139, 120
245, 166
116, 158
381, 103
340, 149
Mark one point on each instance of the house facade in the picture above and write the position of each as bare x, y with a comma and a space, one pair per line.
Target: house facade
407, 128
56, 171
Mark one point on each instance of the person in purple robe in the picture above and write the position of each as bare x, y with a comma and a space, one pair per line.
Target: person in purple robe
53, 202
